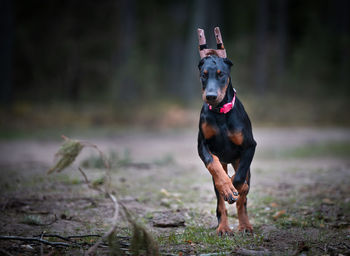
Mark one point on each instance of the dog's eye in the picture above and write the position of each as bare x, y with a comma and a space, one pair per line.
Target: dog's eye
221, 75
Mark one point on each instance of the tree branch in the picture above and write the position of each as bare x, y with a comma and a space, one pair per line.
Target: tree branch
33, 239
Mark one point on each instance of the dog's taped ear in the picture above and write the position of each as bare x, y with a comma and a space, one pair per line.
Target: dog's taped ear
202, 43
228, 62
203, 47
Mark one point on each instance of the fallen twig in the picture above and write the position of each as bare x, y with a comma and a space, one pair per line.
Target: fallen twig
70, 237
33, 239
34, 212
62, 238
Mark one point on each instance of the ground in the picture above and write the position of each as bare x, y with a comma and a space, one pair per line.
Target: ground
299, 202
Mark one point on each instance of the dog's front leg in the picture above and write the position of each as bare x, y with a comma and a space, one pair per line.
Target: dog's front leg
221, 212
222, 181
240, 182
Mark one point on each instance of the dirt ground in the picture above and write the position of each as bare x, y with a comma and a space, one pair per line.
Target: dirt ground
299, 202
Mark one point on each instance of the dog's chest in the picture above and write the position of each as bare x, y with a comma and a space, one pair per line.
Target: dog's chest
212, 130
223, 137
221, 127
220, 132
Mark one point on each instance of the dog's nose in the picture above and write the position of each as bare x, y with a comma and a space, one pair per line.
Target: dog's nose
211, 96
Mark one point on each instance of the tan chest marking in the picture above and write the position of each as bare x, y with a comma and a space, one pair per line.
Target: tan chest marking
208, 130
236, 137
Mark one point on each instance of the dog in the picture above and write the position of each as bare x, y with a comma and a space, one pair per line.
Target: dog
225, 134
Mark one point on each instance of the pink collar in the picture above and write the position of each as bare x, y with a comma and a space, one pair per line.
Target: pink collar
225, 108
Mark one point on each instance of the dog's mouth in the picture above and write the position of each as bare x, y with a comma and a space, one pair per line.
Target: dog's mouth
213, 98
213, 103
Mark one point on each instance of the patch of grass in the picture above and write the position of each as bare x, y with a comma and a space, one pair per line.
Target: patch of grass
78, 229
204, 240
301, 213
125, 159
339, 149
98, 182
167, 159
93, 161
68, 180
149, 215
259, 198
334, 149
115, 160
31, 220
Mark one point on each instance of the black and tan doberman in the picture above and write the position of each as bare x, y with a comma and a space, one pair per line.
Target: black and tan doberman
225, 134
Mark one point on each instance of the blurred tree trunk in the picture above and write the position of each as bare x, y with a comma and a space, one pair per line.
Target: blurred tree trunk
282, 16
342, 29
174, 67
127, 89
73, 74
190, 84
175, 47
6, 45
261, 55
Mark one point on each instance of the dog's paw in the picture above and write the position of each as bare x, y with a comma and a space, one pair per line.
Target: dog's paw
227, 190
224, 230
245, 228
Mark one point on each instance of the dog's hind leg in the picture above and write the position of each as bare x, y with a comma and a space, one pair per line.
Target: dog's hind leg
221, 212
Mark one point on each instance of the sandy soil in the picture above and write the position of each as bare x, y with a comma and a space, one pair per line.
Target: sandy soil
158, 175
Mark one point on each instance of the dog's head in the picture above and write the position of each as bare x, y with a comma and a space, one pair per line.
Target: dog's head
215, 78
214, 69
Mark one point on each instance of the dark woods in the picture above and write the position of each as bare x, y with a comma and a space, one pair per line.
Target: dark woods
131, 50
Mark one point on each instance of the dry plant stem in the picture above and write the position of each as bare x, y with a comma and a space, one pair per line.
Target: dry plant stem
111, 230
109, 194
115, 217
84, 175
89, 183
106, 191
106, 164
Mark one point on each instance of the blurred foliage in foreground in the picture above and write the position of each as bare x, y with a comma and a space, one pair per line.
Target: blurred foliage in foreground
142, 242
